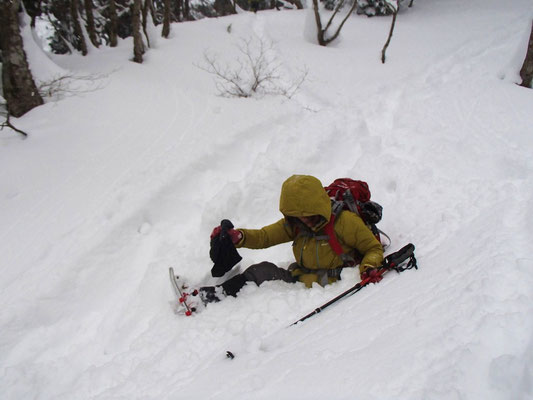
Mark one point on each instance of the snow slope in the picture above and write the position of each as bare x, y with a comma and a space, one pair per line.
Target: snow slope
122, 180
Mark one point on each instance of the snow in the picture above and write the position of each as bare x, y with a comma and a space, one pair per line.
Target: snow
129, 174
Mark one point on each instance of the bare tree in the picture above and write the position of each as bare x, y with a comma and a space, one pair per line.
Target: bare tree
7, 124
147, 8
178, 6
224, 7
33, 8
526, 73
91, 28
255, 71
78, 32
138, 45
187, 10
166, 19
68, 85
113, 23
393, 6
19, 87
323, 38
183, 10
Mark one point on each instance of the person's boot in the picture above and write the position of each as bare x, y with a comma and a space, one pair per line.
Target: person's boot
232, 286
210, 294
213, 294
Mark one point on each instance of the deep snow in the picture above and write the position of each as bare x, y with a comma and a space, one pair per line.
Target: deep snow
128, 176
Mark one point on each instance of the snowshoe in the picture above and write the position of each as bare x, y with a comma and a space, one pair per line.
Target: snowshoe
184, 304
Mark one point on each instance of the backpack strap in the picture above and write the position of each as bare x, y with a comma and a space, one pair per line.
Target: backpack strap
348, 260
332, 238
385, 246
351, 202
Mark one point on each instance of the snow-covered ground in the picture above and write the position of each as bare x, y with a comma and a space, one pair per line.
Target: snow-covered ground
128, 177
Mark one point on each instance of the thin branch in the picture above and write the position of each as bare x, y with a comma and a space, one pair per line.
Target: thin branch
63, 85
339, 6
7, 124
225, 77
291, 90
394, 14
256, 71
331, 39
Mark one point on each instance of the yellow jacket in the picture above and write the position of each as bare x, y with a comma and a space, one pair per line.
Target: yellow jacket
304, 196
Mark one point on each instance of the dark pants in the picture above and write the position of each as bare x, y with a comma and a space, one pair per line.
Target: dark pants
257, 273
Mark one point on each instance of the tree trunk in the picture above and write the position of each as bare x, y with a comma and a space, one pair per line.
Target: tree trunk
526, 73
91, 29
178, 6
153, 13
186, 10
113, 23
138, 45
166, 19
391, 31
19, 87
147, 7
321, 32
33, 8
78, 32
224, 7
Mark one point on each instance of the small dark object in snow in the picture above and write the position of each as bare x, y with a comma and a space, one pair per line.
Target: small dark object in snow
230, 355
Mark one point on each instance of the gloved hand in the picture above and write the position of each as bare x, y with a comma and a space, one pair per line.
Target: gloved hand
372, 274
234, 234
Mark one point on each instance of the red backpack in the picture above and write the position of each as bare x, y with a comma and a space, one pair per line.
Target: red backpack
352, 195
351, 192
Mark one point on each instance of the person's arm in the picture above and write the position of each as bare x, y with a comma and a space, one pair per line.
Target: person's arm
270, 235
351, 230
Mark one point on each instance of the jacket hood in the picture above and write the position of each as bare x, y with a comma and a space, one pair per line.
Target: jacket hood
303, 196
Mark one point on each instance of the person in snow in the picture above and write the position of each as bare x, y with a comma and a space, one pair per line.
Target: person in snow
306, 209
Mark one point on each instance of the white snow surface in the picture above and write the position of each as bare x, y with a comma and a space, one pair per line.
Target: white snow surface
118, 182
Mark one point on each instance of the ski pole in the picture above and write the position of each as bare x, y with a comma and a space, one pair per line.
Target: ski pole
392, 261
353, 290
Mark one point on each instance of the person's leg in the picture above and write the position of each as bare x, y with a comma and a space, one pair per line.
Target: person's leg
266, 271
257, 273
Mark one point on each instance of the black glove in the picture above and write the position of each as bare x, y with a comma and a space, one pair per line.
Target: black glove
223, 251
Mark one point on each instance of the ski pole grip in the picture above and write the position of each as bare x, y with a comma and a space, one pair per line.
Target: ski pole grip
405, 252
400, 256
